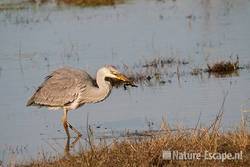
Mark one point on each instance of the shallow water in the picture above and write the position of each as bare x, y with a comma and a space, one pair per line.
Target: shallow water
36, 41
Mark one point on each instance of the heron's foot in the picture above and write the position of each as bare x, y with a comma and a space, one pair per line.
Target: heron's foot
74, 129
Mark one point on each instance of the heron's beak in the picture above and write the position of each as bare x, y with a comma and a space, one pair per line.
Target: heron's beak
122, 77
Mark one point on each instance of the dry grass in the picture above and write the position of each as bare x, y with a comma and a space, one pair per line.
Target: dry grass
146, 149
89, 2
24, 4
14, 6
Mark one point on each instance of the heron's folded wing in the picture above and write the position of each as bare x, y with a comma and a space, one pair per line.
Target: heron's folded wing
60, 88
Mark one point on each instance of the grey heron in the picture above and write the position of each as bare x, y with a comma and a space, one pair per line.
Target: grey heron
69, 88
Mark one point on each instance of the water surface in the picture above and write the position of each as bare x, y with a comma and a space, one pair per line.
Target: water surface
36, 41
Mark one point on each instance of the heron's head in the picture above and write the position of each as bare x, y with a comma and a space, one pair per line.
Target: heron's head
112, 72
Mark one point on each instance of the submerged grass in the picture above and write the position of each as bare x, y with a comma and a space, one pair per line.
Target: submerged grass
155, 71
161, 70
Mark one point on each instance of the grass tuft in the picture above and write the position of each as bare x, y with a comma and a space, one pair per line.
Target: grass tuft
224, 67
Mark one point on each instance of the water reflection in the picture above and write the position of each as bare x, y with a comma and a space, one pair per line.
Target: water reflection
69, 146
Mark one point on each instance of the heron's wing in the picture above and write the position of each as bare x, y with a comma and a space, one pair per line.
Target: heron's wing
61, 88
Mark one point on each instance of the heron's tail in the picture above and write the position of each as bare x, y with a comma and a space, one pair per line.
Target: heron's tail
30, 101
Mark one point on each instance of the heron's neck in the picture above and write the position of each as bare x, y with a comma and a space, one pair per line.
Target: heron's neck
102, 91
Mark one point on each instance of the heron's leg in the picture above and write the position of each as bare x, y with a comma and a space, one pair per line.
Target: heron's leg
74, 129
67, 147
64, 122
